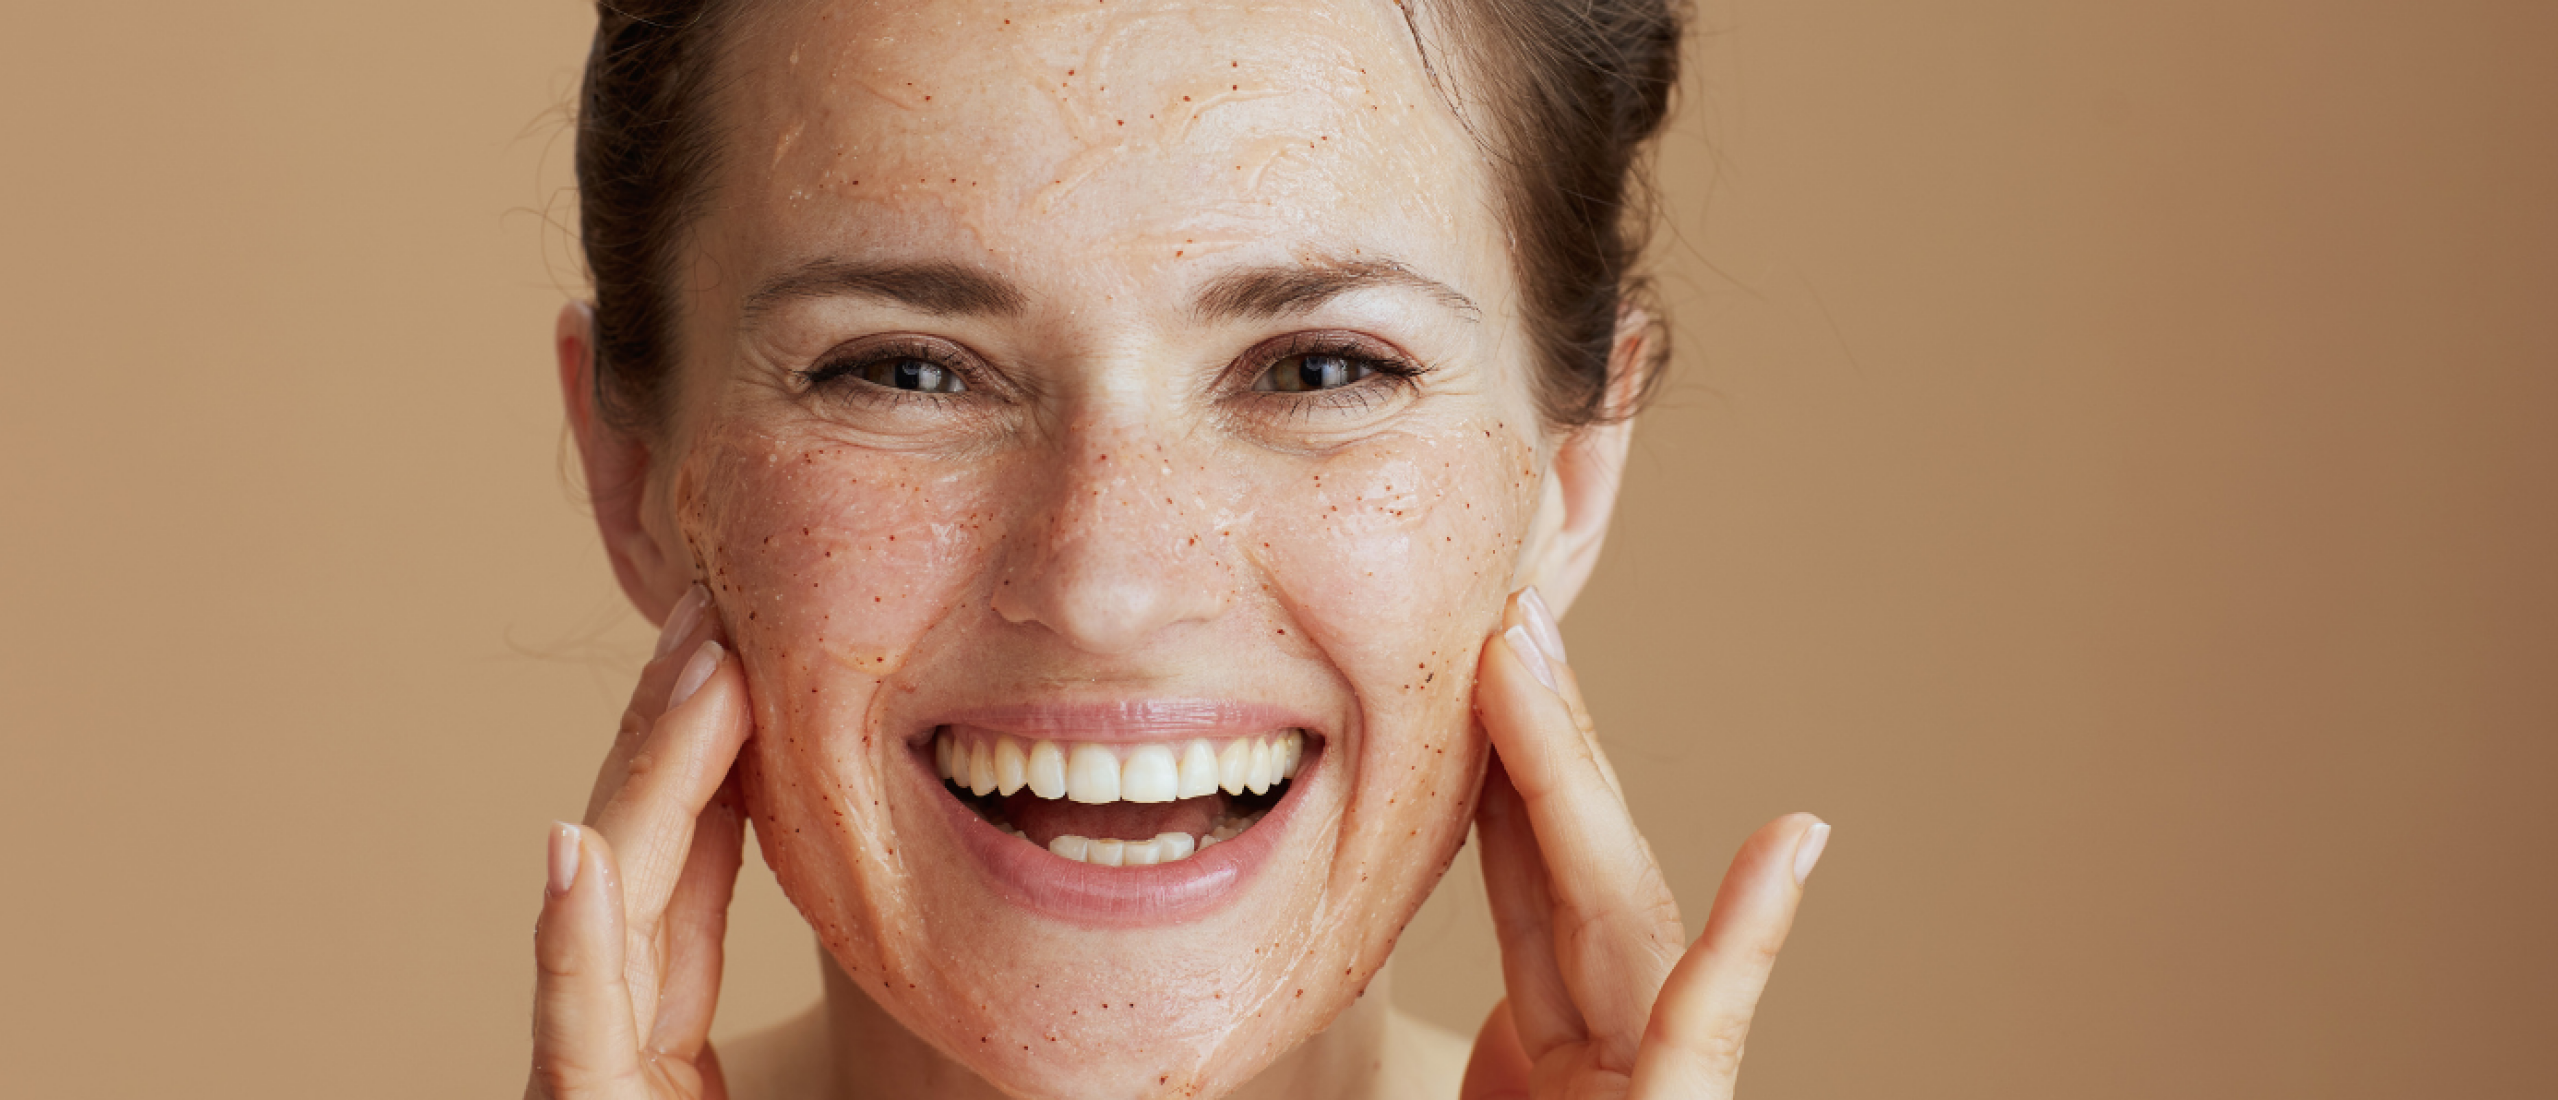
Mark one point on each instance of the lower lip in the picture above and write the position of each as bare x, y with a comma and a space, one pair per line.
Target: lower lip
1086, 893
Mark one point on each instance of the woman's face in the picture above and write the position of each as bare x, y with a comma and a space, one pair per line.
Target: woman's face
1119, 389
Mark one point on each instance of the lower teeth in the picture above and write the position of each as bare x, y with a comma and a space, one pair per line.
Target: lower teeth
1164, 848
1170, 847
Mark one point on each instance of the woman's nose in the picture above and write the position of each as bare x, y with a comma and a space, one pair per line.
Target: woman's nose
1119, 555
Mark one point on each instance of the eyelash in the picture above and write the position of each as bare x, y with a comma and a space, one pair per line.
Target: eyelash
839, 374
1388, 370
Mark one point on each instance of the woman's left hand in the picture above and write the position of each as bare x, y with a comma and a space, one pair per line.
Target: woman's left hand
1602, 1002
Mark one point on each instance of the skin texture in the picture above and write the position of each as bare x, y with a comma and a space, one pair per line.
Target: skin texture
1110, 510
1107, 514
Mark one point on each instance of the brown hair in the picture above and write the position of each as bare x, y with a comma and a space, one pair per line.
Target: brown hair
1572, 93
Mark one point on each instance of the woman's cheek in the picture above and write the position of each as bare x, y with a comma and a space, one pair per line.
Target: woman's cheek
828, 564
814, 548
1396, 560
1382, 539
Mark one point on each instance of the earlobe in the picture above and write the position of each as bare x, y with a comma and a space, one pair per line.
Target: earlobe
616, 463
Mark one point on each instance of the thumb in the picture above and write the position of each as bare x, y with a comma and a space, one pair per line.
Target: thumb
584, 1041
1693, 1042
1499, 1068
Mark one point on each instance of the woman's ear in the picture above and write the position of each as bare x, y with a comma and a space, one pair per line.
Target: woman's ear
617, 475
1579, 492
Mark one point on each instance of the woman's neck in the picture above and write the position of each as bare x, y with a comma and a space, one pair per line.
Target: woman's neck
1369, 1051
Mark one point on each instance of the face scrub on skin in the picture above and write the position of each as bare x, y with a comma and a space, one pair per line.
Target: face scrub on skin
1107, 433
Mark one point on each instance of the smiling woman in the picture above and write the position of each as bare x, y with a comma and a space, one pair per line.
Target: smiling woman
1097, 466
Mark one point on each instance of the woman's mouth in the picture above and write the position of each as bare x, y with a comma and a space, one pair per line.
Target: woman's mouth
1121, 813
1119, 804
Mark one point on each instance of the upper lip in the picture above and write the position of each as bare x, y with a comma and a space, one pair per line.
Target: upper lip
1127, 720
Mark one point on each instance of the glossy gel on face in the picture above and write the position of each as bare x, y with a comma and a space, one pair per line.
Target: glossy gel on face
1122, 375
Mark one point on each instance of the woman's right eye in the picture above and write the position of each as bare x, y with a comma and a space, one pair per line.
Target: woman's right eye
898, 372
903, 386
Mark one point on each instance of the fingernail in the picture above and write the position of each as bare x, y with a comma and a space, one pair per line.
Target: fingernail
679, 622
1808, 850
696, 673
1541, 619
1526, 648
563, 857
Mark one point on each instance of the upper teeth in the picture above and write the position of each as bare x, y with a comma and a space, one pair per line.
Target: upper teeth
1088, 771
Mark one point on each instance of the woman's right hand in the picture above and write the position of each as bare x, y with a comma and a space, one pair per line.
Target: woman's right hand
628, 947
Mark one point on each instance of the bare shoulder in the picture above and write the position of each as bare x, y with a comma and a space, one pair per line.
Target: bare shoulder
787, 1061
1432, 1061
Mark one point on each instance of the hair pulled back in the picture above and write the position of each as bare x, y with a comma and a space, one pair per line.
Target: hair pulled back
1566, 95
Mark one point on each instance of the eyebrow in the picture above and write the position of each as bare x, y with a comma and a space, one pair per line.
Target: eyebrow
947, 289
940, 289
1282, 290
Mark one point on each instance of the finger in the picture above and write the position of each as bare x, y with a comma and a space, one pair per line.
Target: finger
696, 925
669, 780
1499, 1067
1617, 930
668, 784
1692, 1045
1540, 1010
1528, 609
584, 1041
691, 622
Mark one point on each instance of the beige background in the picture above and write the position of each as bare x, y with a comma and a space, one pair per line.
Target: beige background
2112, 473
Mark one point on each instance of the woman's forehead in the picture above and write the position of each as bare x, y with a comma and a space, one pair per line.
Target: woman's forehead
1122, 136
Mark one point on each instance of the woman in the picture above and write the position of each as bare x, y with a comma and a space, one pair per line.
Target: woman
1096, 464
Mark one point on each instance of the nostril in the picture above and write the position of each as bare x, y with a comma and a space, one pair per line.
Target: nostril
1011, 602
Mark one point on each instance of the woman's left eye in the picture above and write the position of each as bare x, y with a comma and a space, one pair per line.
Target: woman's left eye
1311, 373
